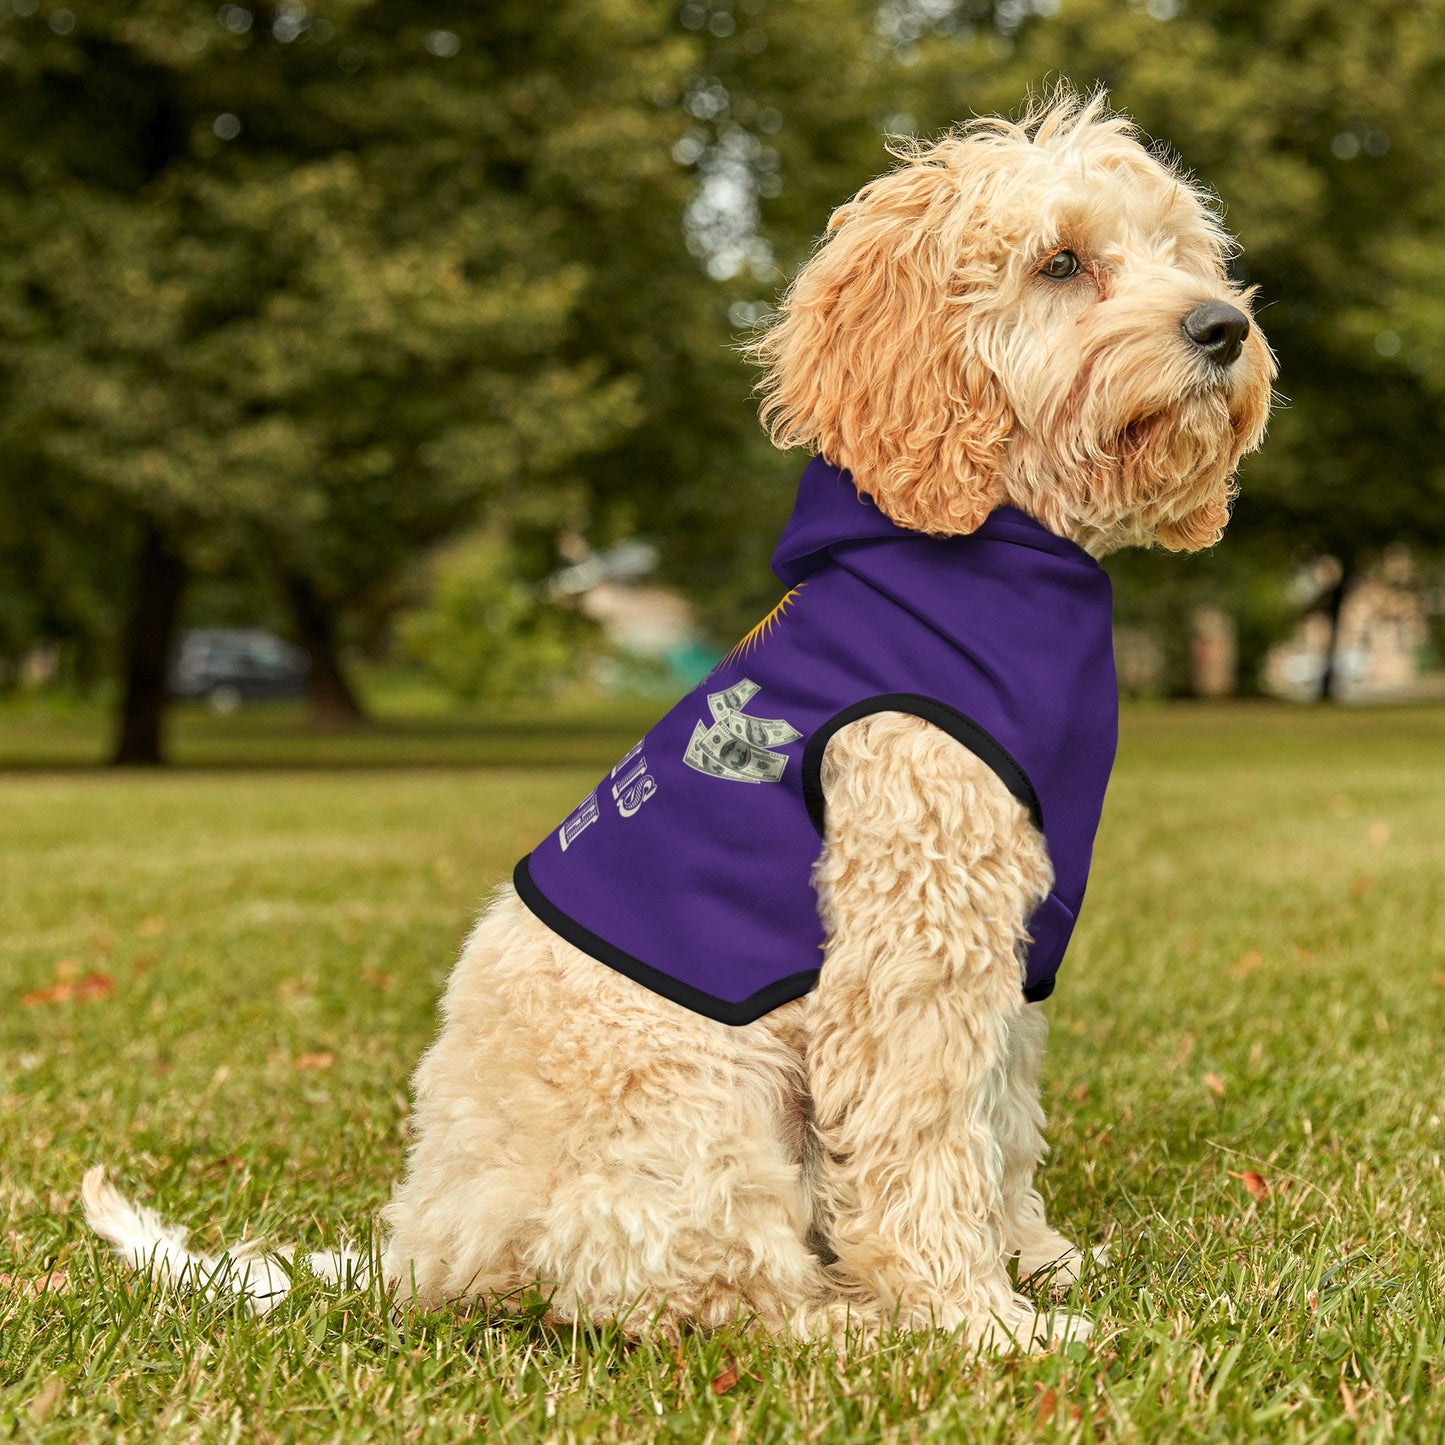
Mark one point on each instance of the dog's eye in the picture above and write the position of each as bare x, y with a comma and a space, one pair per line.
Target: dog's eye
1060, 266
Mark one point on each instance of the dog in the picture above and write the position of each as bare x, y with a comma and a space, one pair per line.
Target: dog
655, 1093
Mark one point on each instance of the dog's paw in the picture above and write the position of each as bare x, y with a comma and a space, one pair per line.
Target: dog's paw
1058, 1270
1023, 1326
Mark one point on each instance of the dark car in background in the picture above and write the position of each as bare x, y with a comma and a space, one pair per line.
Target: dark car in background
228, 666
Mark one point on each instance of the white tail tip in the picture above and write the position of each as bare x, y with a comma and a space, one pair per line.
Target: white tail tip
147, 1243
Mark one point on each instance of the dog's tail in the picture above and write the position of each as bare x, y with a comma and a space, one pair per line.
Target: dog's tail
147, 1243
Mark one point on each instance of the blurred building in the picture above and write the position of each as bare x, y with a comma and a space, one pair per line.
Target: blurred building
653, 630
1382, 651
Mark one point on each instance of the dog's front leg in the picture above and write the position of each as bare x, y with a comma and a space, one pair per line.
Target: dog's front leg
929, 873
1019, 1124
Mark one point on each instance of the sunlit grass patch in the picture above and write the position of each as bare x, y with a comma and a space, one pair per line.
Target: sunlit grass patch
1244, 1088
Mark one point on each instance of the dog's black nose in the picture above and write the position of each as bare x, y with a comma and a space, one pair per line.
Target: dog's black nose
1218, 330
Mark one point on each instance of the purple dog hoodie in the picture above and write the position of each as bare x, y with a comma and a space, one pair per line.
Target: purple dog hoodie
688, 867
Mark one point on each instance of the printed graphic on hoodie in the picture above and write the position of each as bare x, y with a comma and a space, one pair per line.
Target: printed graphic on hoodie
737, 747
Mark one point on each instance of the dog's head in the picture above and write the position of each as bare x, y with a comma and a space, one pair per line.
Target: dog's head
1035, 313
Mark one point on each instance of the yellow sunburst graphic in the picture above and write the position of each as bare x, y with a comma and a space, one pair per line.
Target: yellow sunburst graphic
760, 632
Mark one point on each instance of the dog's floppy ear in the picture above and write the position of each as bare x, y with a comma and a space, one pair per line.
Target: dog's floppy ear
872, 360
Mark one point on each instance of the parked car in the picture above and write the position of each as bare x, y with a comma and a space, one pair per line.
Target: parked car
230, 665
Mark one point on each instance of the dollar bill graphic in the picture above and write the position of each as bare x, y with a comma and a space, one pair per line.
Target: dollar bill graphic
734, 699
761, 732
717, 752
736, 746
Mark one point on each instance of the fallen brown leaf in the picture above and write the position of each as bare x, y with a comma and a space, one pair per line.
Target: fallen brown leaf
1181, 1054
56, 1282
322, 1059
1046, 1407
1255, 1184
66, 990
1247, 963
1440, 980
151, 927
722, 1383
1360, 885
377, 978
1079, 1094
56, 993
1214, 1083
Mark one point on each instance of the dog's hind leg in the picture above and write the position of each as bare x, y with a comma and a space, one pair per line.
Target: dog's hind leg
578, 1135
681, 1198
929, 873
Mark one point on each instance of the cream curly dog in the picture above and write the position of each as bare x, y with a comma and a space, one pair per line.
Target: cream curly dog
1032, 316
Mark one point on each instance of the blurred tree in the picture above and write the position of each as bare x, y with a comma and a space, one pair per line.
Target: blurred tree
59, 571
1162, 596
782, 108
307, 282
329, 283
485, 633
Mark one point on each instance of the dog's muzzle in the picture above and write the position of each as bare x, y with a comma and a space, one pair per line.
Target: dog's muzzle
1218, 330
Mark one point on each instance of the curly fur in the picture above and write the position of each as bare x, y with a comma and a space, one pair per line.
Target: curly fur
866, 1155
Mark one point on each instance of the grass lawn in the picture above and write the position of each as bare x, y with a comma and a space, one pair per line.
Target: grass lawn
216, 980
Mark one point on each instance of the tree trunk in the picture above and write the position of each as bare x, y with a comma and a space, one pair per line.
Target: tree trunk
333, 699
160, 578
1329, 676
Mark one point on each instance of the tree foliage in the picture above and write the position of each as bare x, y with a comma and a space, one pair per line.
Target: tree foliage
314, 286
483, 631
308, 290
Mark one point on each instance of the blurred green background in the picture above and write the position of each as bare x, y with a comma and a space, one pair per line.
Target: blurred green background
407, 334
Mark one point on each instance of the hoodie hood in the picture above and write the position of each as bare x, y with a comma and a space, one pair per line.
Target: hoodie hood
830, 512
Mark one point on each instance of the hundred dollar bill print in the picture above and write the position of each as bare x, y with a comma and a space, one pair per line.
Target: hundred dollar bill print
735, 699
739, 747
